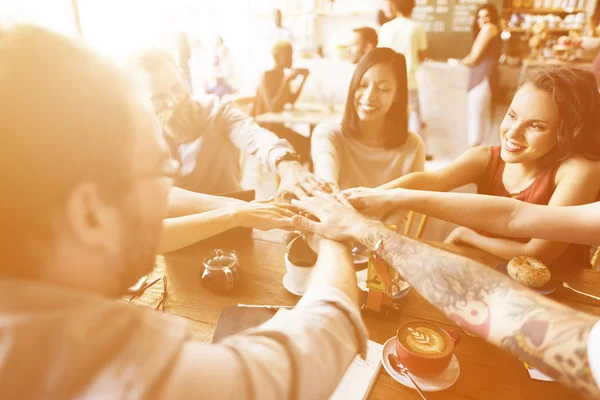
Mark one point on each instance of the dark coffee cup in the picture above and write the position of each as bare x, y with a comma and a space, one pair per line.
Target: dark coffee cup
221, 270
425, 348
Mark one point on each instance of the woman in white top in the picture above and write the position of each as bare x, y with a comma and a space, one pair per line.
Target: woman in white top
372, 146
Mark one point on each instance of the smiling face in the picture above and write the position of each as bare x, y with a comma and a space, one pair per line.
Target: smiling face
529, 129
376, 93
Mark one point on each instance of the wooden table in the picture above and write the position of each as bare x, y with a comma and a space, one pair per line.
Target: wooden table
487, 372
310, 114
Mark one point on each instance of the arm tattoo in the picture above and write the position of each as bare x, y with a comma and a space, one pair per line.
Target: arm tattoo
541, 332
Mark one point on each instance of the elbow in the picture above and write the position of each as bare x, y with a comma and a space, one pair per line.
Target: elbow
532, 249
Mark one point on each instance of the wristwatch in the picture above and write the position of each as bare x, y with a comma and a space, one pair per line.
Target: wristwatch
289, 156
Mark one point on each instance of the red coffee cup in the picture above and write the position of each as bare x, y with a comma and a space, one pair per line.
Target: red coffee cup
425, 348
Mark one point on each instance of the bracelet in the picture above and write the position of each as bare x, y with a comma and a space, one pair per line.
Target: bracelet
378, 245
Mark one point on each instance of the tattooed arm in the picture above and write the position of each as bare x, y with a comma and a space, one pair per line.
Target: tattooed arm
540, 331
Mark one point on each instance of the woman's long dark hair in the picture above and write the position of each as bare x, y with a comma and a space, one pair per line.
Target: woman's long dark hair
396, 125
494, 18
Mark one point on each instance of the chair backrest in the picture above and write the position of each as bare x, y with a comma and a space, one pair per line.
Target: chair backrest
596, 258
408, 227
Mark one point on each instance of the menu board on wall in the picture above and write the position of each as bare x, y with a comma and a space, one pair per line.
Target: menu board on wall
448, 24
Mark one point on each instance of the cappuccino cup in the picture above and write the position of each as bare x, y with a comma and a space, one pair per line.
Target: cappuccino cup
425, 348
299, 262
298, 275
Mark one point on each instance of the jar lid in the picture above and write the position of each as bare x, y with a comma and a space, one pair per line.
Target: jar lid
219, 258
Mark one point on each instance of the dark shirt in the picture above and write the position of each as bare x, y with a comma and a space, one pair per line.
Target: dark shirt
539, 192
486, 66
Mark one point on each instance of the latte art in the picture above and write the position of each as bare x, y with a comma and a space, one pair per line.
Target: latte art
424, 340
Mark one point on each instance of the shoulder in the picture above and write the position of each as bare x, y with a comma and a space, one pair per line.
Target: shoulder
489, 30
416, 25
482, 152
579, 167
414, 141
479, 156
267, 76
327, 130
389, 26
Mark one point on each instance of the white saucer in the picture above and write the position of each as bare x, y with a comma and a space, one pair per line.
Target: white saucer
433, 384
288, 287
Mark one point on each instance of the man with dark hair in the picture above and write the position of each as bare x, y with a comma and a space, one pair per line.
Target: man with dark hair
206, 136
85, 174
363, 41
407, 37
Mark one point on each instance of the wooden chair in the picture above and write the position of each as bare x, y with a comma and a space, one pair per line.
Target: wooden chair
409, 224
596, 258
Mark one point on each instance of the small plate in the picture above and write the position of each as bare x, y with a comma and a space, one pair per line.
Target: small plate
547, 289
288, 287
434, 384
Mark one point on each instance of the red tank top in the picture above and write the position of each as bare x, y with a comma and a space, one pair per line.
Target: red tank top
539, 192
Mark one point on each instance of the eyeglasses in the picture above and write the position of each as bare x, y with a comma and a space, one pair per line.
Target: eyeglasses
163, 297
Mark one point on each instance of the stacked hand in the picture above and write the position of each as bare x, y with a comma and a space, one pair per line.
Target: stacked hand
297, 182
265, 215
337, 221
372, 202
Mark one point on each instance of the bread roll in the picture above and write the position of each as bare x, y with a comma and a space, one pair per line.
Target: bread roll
529, 271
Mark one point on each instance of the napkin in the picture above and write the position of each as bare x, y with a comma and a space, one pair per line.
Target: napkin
537, 374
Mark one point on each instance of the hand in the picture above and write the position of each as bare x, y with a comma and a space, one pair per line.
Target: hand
337, 221
458, 236
297, 182
372, 202
467, 61
265, 216
294, 73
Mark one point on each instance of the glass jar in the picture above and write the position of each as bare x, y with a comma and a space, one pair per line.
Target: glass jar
221, 270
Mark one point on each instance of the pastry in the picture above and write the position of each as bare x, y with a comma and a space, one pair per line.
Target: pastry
528, 271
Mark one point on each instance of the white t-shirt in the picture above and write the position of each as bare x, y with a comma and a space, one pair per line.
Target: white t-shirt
361, 165
407, 37
277, 34
594, 352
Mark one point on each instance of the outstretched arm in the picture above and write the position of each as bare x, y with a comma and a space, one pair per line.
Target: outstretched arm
184, 231
499, 215
464, 170
183, 202
540, 331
